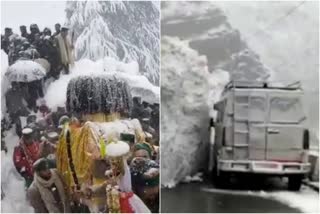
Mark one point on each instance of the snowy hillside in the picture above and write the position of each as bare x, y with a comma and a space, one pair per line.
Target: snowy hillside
122, 30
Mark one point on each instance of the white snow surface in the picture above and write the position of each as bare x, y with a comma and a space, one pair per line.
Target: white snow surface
11, 182
25, 71
185, 88
4, 82
195, 178
117, 149
139, 84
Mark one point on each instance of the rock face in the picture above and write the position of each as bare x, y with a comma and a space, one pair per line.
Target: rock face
208, 31
122, 30
200, 53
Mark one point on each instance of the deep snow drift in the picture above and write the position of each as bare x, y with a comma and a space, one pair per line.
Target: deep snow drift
185, 88
139, 85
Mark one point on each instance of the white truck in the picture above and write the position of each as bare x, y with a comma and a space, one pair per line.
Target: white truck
260, 129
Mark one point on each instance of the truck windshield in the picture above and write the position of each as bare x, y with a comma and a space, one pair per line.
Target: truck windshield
286, 109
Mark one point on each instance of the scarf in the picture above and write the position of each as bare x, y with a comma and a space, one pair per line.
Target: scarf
65, 50
47, 196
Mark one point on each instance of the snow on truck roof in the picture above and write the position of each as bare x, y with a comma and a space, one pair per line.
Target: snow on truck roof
264, 86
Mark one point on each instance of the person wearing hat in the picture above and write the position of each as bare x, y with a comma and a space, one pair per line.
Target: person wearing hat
34, 29
24, 33
25, 154
137, 109
65, 48
47, 192
145, 176
57, 27
5, 41
118, 182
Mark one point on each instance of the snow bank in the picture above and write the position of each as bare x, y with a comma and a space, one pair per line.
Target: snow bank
11, 182
187, 88
139, 85
4, 82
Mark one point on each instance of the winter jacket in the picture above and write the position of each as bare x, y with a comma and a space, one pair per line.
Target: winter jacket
39, 201
64, 50
23, 159
14, 102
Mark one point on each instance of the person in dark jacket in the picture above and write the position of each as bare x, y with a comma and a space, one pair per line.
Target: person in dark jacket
35, 91
47, 193
146, 113
5, 40
15, 105
137, 108
24, 33
58, 29
34, 29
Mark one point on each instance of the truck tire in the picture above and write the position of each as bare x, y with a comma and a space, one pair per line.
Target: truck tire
294, 183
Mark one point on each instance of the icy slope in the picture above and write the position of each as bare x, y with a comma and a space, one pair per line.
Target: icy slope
122, 30
185, 88
139, 84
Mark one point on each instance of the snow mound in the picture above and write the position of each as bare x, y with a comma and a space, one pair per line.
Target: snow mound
116, 149
4, 82
184, 110
139, 85
195, 178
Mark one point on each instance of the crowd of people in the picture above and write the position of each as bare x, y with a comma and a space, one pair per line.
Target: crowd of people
55, 47
39, 127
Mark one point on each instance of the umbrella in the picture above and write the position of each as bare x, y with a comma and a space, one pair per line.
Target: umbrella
25, 71
44, 63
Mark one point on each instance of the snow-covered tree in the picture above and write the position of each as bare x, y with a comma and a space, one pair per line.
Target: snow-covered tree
124, 30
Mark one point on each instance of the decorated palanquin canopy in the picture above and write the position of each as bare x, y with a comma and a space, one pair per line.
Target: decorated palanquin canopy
97, 95
105, 103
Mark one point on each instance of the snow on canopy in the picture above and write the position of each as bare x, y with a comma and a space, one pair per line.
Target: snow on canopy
127, 31
98, 93
25, 71
56, 92
117, 149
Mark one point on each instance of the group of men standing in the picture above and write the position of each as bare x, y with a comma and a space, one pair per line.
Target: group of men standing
56, 48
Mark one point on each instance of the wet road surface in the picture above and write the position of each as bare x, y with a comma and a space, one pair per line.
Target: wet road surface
203, 197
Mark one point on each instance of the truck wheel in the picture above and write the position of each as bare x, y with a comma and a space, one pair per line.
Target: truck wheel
295, 182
